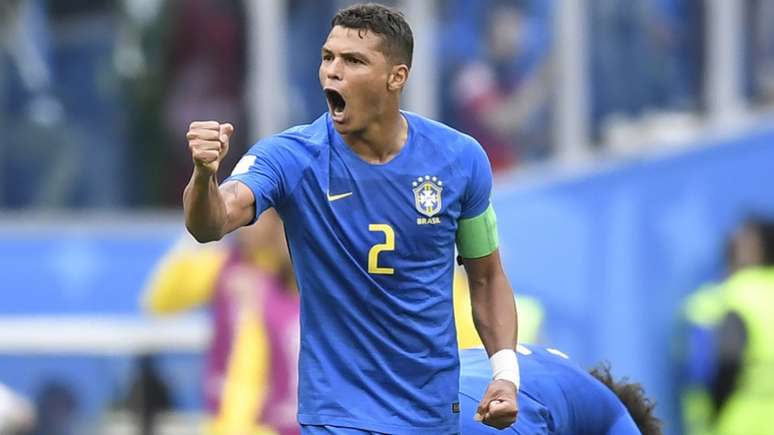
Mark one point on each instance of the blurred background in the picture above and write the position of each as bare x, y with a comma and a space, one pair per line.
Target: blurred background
633, 149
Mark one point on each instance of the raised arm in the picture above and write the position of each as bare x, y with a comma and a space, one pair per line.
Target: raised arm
211, 211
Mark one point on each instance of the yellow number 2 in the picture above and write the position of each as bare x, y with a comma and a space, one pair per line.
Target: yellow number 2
388, 245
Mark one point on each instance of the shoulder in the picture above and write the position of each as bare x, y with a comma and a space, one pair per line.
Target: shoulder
443, 140
435, 131
303, 142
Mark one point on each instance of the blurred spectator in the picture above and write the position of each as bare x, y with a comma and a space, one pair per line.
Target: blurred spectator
306, 33
743, 385
148, 395
83, 71
23, 39
729, 352
204, 79
143, 60
760, 50
87, 82
17, 415
502, 97
251, 365
64, 118
29, 109
56, 407
645, 56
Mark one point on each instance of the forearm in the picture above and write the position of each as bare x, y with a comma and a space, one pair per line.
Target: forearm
494, 313
205, 209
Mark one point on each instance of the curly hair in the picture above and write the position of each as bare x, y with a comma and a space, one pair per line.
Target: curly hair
632, 395
390, 24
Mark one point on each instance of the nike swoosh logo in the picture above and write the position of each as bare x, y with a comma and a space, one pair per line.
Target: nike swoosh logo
332, 198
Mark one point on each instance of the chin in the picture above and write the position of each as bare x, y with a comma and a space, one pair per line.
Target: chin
341, 128
346, 127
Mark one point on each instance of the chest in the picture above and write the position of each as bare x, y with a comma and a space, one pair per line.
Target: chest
408, 210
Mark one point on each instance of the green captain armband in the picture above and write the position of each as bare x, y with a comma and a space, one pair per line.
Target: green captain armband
477, 237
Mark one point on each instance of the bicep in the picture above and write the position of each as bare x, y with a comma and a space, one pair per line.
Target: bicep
483, 269
488, 284
477, 236
240, 204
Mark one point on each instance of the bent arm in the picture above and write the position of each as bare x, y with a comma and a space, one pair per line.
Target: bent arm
211, 211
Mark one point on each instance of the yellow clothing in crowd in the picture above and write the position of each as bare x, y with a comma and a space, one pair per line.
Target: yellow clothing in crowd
187, 279
529, 309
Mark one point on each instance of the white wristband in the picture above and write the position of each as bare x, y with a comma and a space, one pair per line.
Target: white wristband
505, 366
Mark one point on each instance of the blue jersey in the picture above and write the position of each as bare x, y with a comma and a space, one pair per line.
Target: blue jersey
556, 397
373, 252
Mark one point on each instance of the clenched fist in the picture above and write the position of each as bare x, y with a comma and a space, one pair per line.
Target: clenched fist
208, 142
499, 407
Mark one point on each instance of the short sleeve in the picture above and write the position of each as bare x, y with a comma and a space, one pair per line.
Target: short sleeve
270, 169
478, 191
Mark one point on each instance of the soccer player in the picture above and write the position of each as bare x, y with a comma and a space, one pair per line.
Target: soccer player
558, 397
373, 200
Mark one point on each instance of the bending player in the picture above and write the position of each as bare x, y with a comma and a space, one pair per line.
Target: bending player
557, 397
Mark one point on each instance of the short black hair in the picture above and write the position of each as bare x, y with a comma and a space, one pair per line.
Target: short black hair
633, 397
390, 24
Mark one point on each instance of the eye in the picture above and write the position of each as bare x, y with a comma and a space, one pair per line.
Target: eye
327, 57
355, 60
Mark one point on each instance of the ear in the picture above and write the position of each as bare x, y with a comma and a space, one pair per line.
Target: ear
398, 77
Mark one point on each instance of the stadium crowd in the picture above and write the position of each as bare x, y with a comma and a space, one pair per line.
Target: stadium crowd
113, 83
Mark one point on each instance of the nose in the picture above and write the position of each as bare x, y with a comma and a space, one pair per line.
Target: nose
332, 69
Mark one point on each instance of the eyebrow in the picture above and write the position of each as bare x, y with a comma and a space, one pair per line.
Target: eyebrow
358, 54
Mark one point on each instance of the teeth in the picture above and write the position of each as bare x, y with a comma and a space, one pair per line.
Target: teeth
336, 101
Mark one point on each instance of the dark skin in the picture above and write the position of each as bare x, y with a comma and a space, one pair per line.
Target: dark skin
354, 65
494, 315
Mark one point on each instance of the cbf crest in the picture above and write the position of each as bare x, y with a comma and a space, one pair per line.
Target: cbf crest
427, 197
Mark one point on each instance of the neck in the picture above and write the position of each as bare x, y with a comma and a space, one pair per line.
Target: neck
381, 140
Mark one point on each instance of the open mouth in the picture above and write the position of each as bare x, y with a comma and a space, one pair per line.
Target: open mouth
336, 102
